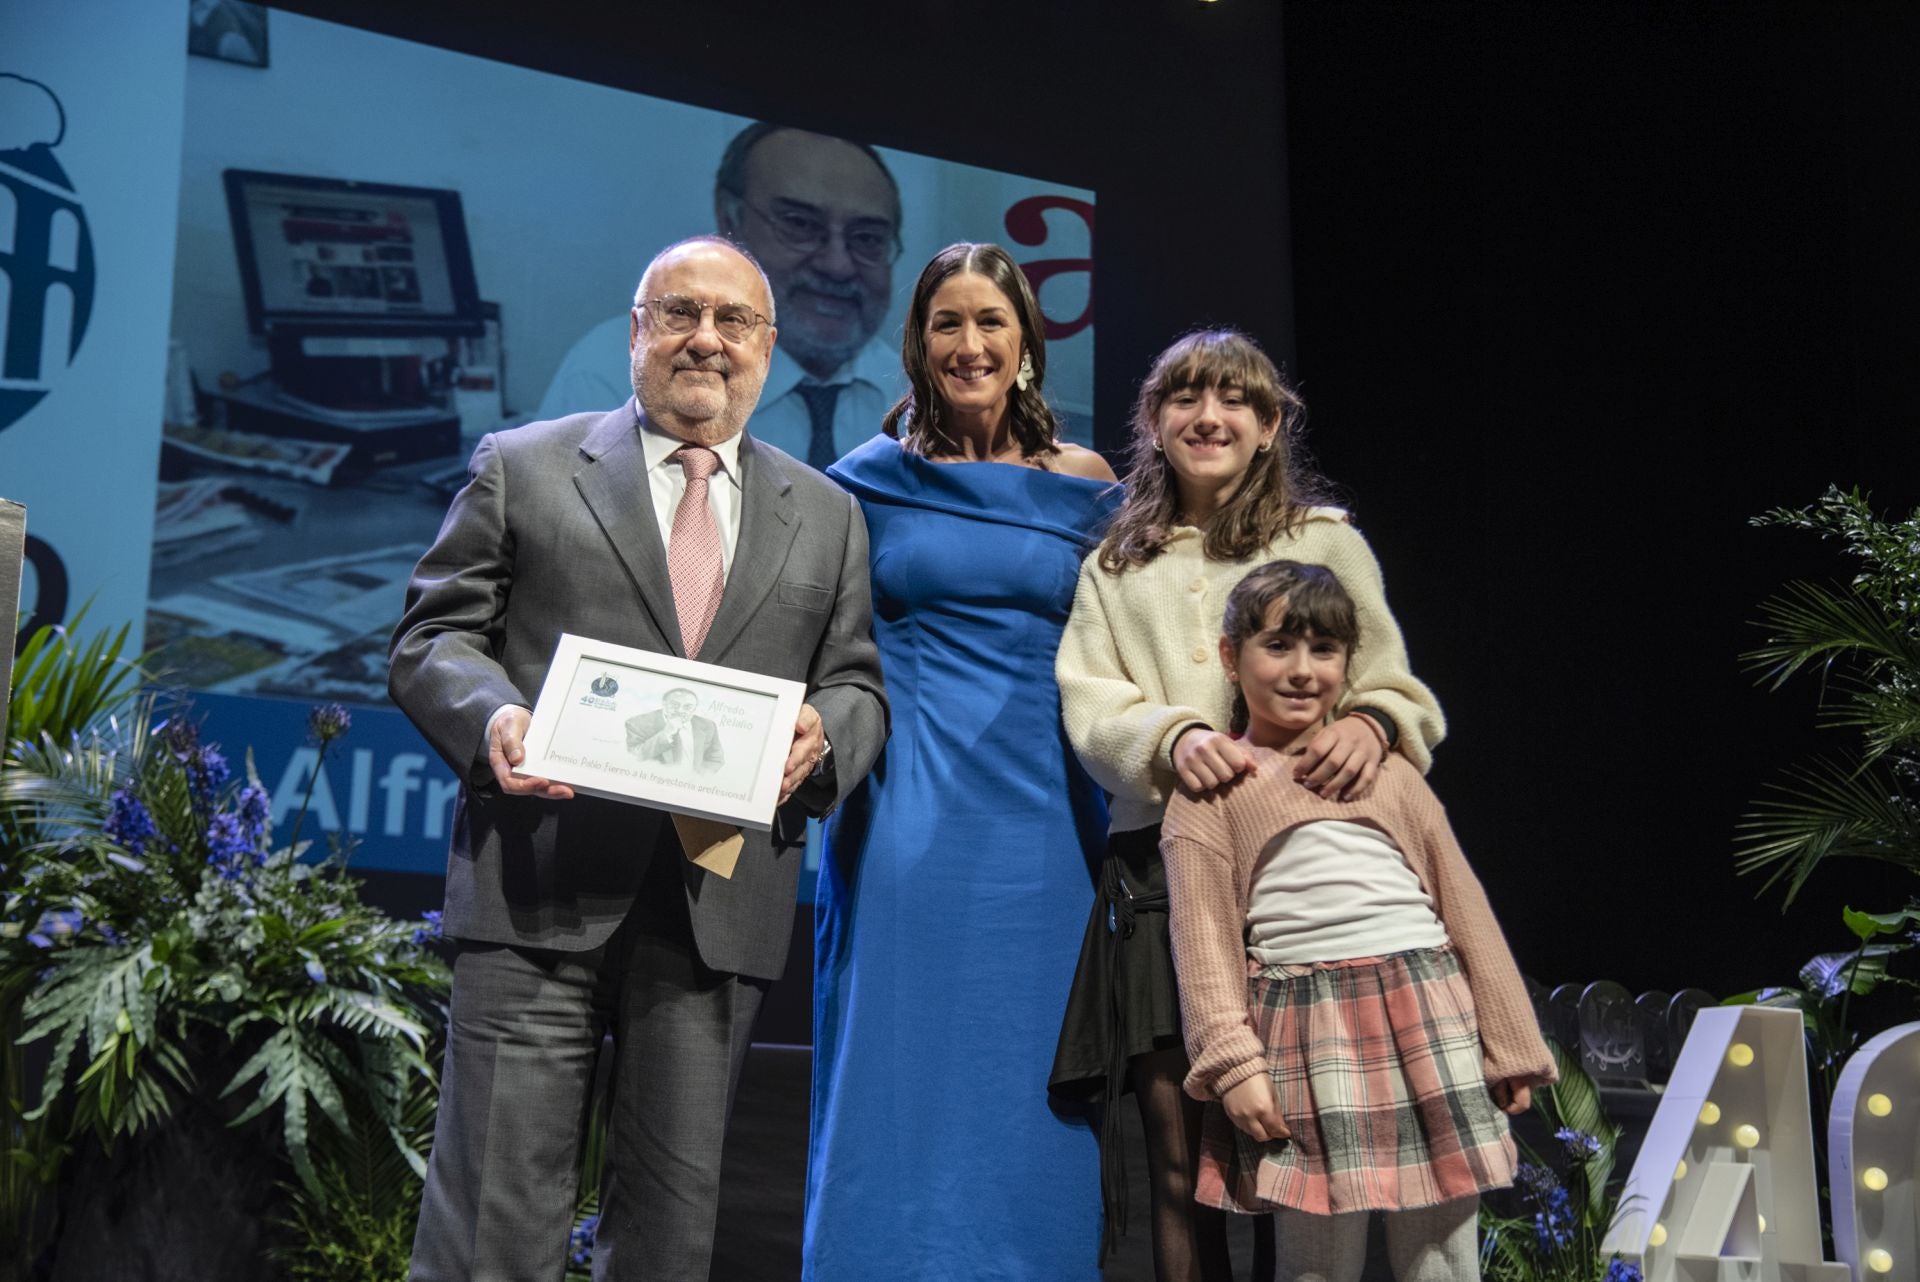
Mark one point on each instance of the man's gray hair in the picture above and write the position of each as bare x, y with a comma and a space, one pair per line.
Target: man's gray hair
709, 238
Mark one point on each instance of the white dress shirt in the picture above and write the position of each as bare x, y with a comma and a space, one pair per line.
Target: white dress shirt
597, 374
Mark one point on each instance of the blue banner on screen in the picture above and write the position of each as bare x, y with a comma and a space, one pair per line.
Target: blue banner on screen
379, 787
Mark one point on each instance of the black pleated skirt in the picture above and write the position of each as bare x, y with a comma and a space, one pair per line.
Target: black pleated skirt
1124, 1001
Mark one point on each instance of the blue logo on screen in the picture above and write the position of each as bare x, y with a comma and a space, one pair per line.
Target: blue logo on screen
46, 251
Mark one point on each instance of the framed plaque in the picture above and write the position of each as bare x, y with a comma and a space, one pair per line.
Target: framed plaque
661, 731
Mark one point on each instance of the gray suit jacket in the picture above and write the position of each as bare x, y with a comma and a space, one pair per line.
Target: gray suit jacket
555, 533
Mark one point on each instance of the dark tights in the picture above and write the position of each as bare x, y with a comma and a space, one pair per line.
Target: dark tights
1189, 1240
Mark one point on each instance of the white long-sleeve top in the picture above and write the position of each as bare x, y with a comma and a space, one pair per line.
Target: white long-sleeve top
1140, 658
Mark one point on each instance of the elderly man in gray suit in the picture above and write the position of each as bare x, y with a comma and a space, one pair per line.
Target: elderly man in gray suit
661, 525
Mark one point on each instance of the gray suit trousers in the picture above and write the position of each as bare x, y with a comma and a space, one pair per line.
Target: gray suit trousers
522, 1050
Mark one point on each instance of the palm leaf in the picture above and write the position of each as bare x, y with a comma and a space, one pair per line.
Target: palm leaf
1825, 809
1811, 623
59, 689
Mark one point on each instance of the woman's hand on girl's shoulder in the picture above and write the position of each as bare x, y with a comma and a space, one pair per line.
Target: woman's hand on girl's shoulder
1205, 759
1078, 460
1343, 760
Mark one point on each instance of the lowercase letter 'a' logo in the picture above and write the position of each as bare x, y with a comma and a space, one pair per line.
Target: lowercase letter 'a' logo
46, 251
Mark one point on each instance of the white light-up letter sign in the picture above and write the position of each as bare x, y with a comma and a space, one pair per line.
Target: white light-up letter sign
1723, 1188
1872, 1138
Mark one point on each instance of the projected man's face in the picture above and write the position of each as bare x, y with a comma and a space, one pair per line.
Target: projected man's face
822, 219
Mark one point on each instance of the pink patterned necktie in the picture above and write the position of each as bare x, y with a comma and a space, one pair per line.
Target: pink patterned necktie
693, 551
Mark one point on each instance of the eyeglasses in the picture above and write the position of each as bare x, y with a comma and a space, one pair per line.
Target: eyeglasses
679, 314
871, 244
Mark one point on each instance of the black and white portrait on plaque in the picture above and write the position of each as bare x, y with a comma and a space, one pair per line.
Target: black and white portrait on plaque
663, 731
675, 735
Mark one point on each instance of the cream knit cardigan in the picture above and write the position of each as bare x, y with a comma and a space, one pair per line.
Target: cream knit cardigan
1213, 844
1140, 658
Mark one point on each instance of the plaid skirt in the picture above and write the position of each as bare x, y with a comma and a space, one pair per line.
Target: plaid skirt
1376, 1063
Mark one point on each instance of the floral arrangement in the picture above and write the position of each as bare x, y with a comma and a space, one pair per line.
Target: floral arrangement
1565, 1203
161, 945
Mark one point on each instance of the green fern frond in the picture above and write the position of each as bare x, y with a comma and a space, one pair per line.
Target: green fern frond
361, 1013
296, 1069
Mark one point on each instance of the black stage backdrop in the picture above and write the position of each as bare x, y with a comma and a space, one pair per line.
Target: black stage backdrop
1572, 291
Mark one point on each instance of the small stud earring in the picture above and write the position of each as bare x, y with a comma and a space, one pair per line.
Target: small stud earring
1025, 376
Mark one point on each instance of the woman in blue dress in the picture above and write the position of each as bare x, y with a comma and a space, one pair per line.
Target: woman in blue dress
954, 882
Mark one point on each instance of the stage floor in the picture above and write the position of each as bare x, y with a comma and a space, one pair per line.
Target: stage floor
763, 1181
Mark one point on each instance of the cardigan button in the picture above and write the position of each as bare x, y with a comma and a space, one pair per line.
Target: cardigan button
1200, 653
1198, 585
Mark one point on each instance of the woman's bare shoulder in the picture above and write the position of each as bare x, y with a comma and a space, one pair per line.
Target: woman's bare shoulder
1078, 460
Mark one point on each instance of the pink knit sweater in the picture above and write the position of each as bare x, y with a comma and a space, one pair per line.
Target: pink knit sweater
1211, 847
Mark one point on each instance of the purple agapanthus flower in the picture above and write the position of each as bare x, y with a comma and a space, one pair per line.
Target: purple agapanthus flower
252, 810
580, 1244
1553, 1222
228, 848
328, 722
429, 928
315, 971
1622, 1271
56, 924
1579, 1144
129, 822
207, 773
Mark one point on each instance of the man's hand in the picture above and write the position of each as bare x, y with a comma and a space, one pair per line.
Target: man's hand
1342, 760
505, 751
1206, 759
809, 741
1254, 1108
1513, 1095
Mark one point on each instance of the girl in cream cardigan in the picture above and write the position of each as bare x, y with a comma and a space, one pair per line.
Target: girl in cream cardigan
1216, 487
1349, 1000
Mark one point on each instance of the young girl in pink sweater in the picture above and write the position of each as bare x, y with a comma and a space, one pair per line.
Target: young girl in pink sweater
1347, 996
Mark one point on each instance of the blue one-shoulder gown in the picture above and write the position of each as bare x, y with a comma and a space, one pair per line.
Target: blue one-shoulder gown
953, 894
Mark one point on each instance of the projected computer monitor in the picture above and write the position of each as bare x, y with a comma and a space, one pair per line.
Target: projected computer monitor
328, 256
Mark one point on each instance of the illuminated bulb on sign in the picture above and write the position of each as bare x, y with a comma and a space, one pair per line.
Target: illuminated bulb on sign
1710, 1112
1659, 1235
1874, 1178
1879, 1105
1740, 1054
1763, 1222
1680, 1171
1879, 1261
1746, 1136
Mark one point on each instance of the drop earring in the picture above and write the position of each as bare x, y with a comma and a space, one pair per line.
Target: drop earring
1025, 376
